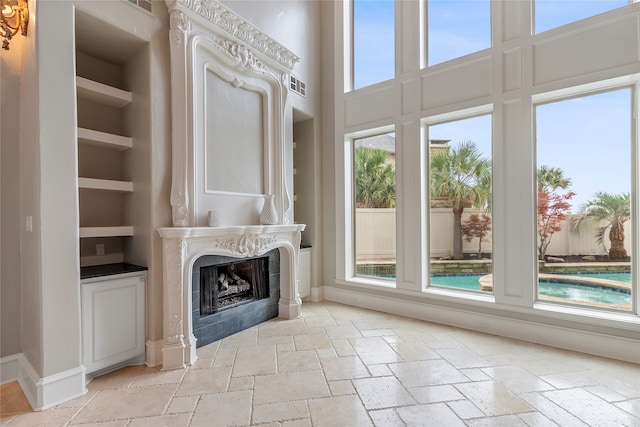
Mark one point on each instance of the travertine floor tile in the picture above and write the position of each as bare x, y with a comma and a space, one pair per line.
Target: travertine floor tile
591, 409
52, 418
279, 412
493, 398
297, 361
426, 373
386, 418
437, 414
382, 392
126, 403
344, 368
172, 420
434, 394
255, 360
289, 387
223, 409
204, 381
339, 411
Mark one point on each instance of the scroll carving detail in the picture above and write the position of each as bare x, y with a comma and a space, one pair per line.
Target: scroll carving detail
247, 245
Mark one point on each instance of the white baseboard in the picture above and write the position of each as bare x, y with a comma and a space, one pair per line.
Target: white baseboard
315, 295
154, 353
598, 344
43, 393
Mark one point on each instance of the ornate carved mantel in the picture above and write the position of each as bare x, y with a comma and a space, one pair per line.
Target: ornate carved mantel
229, 88
182, 246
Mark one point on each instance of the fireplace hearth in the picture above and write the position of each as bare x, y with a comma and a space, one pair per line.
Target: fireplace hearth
231, 294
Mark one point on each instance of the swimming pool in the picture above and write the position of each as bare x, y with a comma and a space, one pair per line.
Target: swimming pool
554, 289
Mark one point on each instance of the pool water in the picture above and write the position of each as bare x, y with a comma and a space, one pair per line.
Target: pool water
558, 290
620, 277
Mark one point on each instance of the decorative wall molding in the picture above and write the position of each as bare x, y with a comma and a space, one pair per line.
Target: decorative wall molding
228, 22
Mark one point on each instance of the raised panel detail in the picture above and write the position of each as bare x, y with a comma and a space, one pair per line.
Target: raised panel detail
460, 84
573, 54
112, 321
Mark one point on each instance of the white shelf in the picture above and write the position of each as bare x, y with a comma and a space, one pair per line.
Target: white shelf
105, 184
103, 139
101, 93
126, 230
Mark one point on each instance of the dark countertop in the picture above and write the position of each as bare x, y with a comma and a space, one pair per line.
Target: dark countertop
109, 270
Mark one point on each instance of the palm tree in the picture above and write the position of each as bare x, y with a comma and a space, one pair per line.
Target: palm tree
550, 178
463, 177
375, 179
613, 210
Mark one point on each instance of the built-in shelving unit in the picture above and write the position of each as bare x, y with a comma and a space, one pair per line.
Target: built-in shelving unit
113, 170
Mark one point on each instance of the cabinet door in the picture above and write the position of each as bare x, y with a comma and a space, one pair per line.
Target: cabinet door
304, 273
112, 321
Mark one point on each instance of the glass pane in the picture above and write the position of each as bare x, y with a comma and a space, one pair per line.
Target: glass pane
375, 206
456, 28
584, 200
460, 245
373, 42
554, 13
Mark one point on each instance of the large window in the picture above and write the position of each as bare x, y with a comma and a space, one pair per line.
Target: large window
373, 42
460, 245
456, 28
584, 173
554, 13
374, 176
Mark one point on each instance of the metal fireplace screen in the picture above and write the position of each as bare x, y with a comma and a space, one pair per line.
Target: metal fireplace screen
227, 285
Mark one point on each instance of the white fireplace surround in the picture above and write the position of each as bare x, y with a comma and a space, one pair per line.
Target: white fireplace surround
229, 88
182, 246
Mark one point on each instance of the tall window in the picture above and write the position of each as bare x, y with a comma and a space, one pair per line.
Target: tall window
554, 13
373, 42
460, 244
456, 28
584, 168
374, 175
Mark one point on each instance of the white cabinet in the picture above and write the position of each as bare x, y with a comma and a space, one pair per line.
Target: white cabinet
113, 330
304, 272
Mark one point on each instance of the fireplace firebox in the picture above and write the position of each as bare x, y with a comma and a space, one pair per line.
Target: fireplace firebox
225, 286
233, 294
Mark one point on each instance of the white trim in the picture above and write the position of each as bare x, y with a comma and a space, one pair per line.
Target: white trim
598, 344
154, 353
315, 295
42, 393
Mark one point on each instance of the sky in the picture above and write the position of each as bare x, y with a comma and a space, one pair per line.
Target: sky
588, 137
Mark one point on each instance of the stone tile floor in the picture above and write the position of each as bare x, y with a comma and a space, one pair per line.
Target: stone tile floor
344, 366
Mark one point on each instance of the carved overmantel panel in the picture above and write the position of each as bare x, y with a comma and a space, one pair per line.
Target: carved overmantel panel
229, 91
182, 246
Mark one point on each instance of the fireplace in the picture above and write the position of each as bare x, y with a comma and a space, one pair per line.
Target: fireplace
231, 147
231, 294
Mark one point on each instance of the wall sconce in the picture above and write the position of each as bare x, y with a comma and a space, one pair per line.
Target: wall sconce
13, 17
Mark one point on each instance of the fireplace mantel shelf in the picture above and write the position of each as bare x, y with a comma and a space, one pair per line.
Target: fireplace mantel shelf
194, 232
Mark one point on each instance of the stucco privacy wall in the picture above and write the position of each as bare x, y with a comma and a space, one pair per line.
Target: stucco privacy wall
501, 80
